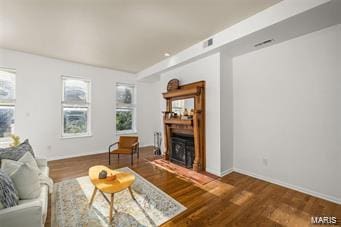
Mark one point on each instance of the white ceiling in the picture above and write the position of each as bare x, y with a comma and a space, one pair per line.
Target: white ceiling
127, 35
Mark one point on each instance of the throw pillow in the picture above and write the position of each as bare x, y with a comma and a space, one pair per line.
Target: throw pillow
8, 193
9, 166
15, 153
24, 177
29, 159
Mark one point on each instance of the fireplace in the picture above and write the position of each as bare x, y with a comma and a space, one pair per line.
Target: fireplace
182, 150
184, 125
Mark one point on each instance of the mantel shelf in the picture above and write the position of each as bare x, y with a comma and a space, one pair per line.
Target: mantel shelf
178, 122
181, 92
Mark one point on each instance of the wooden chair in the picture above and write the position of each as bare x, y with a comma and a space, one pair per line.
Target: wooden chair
126, 145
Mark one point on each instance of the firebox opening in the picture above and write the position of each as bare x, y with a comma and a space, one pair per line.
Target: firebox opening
182, 150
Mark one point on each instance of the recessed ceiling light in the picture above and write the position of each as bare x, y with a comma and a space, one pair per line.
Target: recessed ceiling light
166, 54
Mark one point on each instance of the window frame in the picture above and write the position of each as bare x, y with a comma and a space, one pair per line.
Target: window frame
131, 107
87, 105
4, 141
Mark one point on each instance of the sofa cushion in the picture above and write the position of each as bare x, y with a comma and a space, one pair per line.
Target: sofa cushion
43, 198
15, 153
25, 178
8, 193
29, 159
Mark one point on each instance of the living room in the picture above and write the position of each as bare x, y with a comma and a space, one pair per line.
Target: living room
189, 113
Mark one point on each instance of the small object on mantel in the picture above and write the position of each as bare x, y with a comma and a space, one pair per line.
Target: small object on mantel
173, 85
185, 112
102, 174
191, 113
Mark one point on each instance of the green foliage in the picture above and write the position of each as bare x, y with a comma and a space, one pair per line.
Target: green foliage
124, 120
75, 121
76, 127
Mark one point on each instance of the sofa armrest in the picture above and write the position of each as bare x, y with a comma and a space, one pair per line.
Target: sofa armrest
27, 214
41, 162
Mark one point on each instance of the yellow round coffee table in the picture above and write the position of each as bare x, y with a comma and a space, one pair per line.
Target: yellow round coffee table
122, 181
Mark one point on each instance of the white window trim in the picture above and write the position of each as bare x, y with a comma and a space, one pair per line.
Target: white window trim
132, 106
75, 105
5, 141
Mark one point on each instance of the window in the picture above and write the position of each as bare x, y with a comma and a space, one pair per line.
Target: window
125, 109
7, 103
76, 107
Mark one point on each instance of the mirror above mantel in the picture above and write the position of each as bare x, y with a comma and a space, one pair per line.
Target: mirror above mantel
184, 108
184, 118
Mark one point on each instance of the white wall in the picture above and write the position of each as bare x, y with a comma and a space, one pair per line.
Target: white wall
275, 113
207, 69
148, 109
287, 110
38, 104
226, 113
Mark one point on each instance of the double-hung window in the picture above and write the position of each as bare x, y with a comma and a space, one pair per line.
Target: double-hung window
125, 108
76, 107
7, 103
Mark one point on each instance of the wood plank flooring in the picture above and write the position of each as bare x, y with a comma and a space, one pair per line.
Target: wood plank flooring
233, 200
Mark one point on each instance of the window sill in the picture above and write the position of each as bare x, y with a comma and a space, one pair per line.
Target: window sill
126, 133
4, 143
75, 136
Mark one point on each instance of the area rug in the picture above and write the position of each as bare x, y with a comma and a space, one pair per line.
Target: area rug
196, 177
152, 207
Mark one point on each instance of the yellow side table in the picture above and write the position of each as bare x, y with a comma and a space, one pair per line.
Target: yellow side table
122, 181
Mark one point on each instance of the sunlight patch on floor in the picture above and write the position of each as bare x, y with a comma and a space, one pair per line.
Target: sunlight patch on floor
289, 216
217, 188
241, 198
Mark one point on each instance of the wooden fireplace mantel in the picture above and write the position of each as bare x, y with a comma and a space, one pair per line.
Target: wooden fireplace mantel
194, 126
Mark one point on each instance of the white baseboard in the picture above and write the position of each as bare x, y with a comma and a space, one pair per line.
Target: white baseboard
147, 145
213, 171
219, 173
58, 157
225, 172
287, 185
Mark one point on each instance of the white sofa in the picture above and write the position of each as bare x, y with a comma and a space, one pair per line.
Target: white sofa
29, 213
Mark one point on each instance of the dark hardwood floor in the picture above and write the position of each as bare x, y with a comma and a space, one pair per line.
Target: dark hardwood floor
233, 200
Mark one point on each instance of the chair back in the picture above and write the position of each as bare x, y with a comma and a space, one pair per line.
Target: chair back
127, 141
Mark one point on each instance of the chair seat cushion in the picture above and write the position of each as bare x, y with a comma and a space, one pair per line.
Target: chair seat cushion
122, 151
